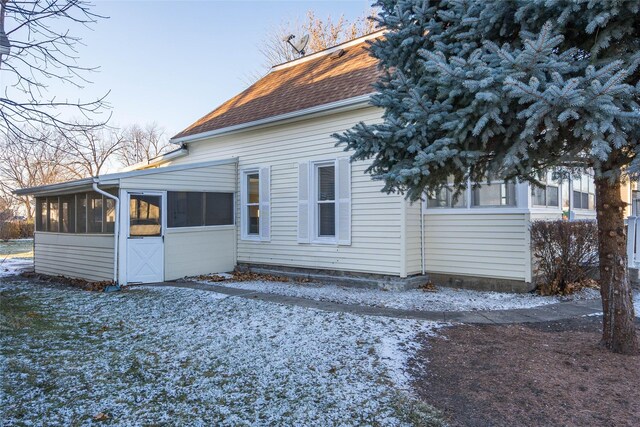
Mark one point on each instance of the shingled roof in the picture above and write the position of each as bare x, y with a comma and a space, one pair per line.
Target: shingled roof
342, 72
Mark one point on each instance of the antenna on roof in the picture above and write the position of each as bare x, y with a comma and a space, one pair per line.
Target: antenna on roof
298, 45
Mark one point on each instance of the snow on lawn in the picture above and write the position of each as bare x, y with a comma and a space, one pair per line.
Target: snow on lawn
187, 357
10, 266
444, 299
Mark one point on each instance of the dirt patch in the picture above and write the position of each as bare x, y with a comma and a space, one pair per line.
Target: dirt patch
540, 374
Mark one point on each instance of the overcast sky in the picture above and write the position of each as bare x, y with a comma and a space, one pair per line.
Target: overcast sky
173, 61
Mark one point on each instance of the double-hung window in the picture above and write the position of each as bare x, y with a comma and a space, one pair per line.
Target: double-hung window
252, 205
256, 211
487, 194
584, 192
324, 202
547, 195
494, 194
446, 198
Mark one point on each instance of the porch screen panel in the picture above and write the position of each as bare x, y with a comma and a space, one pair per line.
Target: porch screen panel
68, 214
218, 209
196, 209
54, 214
81, 213
94, 212
185, 209
41, 214
109, 215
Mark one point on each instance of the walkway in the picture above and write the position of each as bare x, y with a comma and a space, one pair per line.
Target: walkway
545, 313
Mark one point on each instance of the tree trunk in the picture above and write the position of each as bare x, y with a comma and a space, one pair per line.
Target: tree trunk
27, 208
619, 333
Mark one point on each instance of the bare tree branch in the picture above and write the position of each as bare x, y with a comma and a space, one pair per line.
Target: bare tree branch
90, 150
43, 50
322, 35
141, 144
24, 163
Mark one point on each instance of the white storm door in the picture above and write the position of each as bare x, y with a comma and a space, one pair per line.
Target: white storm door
145, 239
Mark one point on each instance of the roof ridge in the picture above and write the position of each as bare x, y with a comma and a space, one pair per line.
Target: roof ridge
329, 50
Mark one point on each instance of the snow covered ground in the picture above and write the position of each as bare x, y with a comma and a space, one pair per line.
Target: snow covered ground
15, 246
444, 299
16, 256
10, 266
169, 356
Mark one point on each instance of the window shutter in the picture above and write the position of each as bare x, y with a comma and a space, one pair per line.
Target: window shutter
303, 203
265, 203
343, 197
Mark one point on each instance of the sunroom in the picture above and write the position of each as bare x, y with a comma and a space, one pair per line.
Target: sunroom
142, 226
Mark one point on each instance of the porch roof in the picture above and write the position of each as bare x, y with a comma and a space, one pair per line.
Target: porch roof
111, 179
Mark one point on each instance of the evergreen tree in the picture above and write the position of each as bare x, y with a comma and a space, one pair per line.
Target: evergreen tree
478, 88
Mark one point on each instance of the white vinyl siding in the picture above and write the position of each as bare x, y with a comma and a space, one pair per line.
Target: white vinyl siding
479, 245
199, 250
375, 216
413, 253
85, 256
220, 178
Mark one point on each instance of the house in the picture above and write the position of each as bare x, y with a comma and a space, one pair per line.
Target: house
259, 183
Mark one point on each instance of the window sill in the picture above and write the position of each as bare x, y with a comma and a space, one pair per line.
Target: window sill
545, 209
475, 211
73, 234
250, 238
326, 242
199, 229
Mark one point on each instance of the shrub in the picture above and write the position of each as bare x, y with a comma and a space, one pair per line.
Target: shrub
565, 255
15, 230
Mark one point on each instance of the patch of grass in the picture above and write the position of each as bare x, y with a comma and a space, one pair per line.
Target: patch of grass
18, 311
417, 413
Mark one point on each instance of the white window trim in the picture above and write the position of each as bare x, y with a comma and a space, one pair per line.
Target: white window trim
313, 214
244, 235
